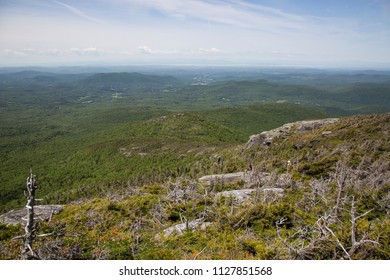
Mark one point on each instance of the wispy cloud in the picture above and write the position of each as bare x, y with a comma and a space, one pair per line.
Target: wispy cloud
77, 12
230, 12
251, 16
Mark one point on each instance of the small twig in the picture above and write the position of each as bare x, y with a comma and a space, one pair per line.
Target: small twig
18, 237
362, 215
51, 216
49, 234
200, 253
154, 218
238, 223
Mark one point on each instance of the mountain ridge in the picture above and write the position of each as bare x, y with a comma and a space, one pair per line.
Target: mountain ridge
125, 80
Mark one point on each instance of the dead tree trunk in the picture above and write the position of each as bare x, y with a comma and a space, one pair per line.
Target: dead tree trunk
354, 219
341, 178
29, 237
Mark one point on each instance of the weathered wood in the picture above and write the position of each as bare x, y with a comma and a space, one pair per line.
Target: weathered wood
28, 253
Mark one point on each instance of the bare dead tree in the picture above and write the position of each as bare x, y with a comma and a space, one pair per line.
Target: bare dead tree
204, 214
278, 224
341, 176
186, 208
30, 229
136, 229
298, 253
319, 191
158, 213
324, 224
354, 219
183, 191
28, 252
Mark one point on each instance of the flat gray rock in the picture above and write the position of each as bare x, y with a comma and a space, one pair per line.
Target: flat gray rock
225, 178
244, 194
42, 212
238, 195
181, 228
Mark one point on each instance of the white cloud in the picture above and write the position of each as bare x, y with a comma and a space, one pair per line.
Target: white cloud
208, 51
9, 52
86, 51
146, 50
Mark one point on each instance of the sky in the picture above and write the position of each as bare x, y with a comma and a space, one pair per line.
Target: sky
308, 33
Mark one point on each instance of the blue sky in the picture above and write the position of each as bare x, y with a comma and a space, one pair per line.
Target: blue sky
321, 33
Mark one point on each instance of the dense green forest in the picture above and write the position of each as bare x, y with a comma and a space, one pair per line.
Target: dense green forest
124, 152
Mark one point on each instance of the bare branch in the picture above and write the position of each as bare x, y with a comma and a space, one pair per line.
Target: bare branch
18, 237
340, 178
365, 214
356, 244
338, 241
49, 234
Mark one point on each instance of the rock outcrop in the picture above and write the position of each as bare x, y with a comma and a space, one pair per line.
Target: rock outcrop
42, 212
225, 178
242, 195
181, 228
266, 138
238, 195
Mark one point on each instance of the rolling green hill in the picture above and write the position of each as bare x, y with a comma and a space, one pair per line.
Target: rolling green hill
32, 88
344, 98
29, 78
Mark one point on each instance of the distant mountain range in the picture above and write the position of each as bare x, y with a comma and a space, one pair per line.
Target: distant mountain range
324, 92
